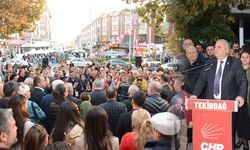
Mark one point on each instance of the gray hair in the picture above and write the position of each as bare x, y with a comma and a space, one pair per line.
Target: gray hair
191, 48
155, 86
70, 88
28, 81
98, 84
56, 82
225, 42
132, 90
5, 115
187, 41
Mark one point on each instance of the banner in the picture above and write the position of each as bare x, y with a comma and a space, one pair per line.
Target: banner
212, 123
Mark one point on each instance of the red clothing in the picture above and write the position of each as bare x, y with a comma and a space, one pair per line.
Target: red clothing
187, 113
128, 142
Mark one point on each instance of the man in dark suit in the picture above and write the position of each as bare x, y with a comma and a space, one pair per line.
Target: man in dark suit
166, 93
113, 108
125, 120
224, 79
38, 92
98, 95
231, 79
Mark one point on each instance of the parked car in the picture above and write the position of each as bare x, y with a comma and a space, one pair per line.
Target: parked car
172, 66
79, 62
115, 62
18, 62
148, 62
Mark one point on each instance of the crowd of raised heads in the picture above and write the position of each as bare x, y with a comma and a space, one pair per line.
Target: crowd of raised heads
97, 107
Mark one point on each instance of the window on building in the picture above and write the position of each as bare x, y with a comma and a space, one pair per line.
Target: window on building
104, 28
114, 27
115, 19
127, 26
142, 26
127, 17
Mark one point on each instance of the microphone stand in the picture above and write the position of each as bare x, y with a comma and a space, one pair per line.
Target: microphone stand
198, 67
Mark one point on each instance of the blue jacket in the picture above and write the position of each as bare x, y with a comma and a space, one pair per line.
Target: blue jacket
40, 114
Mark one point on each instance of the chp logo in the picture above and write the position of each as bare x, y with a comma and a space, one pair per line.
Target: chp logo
210, 131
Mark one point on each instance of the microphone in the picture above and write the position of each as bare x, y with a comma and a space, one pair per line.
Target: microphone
198, 67
211, 65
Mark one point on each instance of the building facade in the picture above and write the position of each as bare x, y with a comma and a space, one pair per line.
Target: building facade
115, 27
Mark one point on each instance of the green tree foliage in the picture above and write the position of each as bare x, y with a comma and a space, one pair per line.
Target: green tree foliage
19, 15
199, 20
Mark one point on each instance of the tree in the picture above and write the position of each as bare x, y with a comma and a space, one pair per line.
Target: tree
19, 15
200, 20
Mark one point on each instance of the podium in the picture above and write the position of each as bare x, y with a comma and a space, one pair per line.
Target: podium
212, 123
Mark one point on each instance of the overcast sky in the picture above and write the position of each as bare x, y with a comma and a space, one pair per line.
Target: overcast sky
70, 16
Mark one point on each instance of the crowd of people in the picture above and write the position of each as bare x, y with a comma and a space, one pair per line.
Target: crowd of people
100, 107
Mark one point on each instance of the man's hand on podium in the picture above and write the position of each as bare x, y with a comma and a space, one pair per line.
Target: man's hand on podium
240, 101
193, 97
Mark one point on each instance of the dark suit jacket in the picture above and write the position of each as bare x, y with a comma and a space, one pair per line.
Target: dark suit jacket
98, 97
114, 110
234, 81
45, 105
124, 124
36, 96
128, 103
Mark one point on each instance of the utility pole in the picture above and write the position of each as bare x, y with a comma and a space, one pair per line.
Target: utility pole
130, 33
91, 33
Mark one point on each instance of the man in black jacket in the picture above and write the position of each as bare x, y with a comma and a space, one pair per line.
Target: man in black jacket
98, 95
113, 108
191, 69
38, 92
124, 123
154, 103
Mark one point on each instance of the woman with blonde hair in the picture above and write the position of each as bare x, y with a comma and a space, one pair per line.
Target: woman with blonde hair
142, 131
